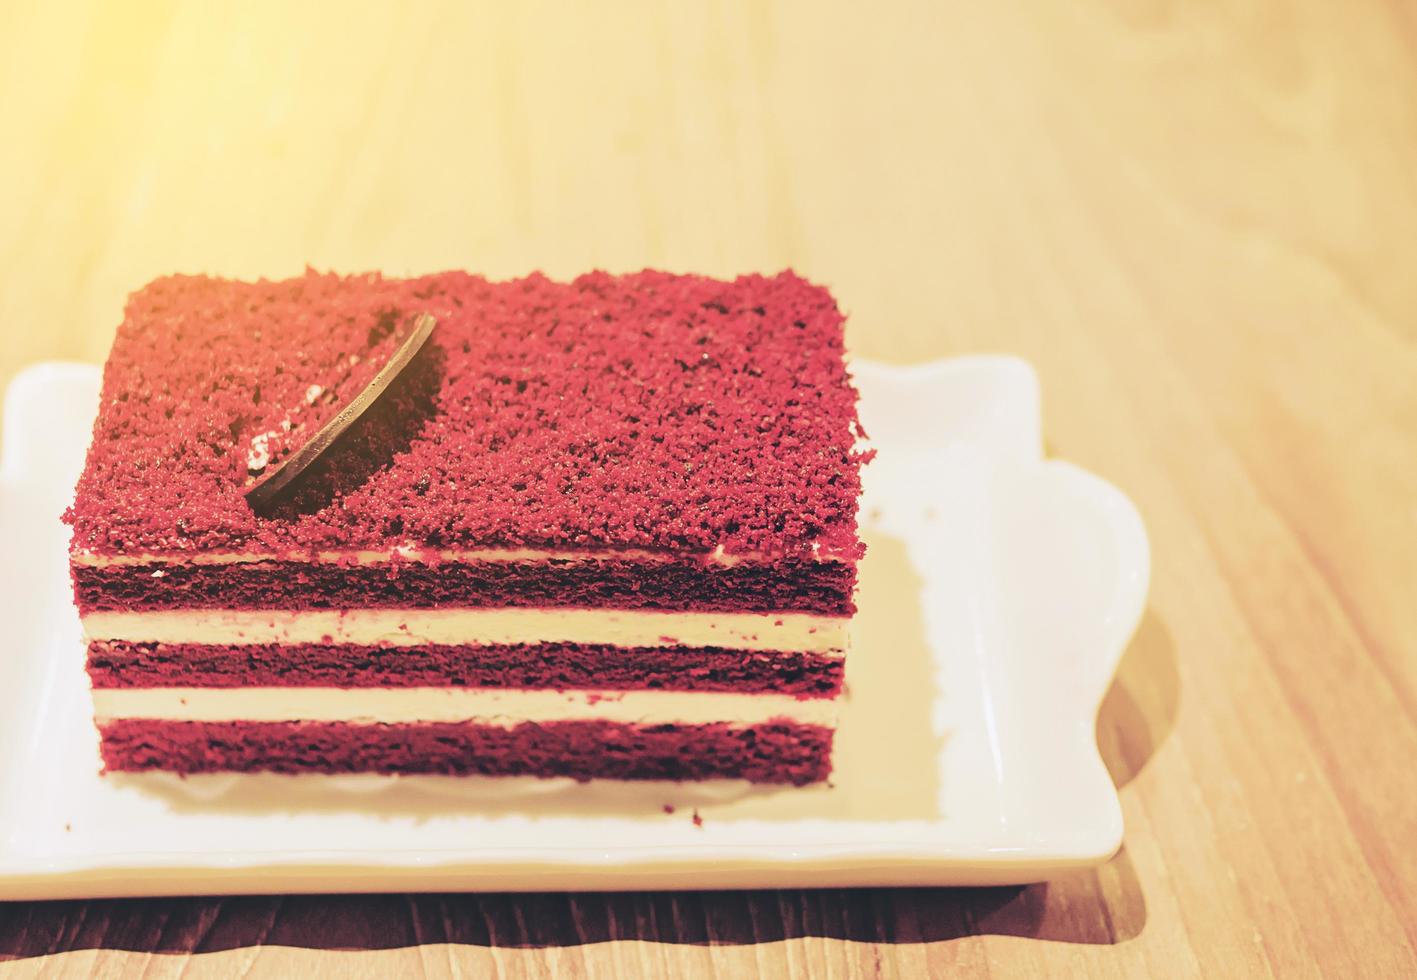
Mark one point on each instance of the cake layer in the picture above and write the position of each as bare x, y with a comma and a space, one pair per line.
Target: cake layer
801, 632
689, 583
488, 706
763, 753
118, 664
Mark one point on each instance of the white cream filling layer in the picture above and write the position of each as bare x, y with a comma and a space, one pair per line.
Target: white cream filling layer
371, 557
795, 632
440, 704
410, 553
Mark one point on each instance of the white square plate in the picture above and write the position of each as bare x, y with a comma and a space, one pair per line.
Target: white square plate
996, 599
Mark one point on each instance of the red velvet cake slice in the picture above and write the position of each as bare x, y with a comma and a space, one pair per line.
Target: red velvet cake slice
604, 528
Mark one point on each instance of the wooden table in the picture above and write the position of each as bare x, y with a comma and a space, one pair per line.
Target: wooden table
1196, 220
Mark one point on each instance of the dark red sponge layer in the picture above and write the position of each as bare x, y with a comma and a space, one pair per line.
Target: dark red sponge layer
648, 410
785, 586
779, 752
562, 666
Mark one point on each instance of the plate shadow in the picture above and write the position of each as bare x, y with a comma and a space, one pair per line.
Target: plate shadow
1142, 703
1101, 906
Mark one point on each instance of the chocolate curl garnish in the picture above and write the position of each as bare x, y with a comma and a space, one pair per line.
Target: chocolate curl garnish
410, 336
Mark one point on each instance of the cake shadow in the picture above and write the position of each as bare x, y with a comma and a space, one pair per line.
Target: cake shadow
886, 756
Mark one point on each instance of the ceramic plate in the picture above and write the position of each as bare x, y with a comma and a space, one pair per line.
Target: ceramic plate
996, 599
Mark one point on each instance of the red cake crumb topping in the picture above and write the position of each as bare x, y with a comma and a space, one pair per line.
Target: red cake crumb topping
649, 410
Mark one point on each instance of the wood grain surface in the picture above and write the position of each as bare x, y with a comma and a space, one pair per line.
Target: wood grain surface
1196, 219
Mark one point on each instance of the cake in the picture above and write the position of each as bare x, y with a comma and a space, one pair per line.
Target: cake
596, 529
